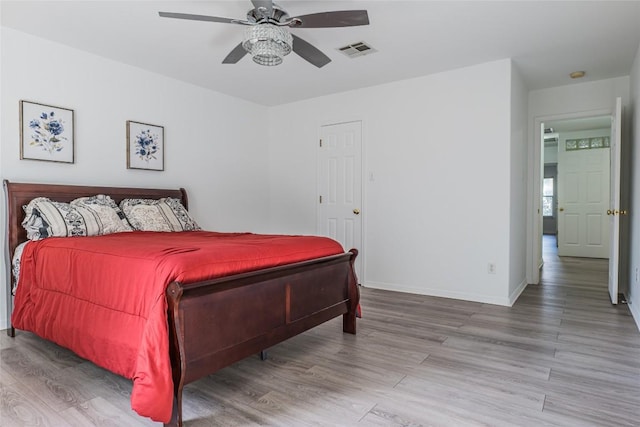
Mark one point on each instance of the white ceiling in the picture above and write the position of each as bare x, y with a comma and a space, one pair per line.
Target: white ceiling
547, 40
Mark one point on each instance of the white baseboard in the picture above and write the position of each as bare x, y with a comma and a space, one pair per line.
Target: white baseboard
635, 312
513, 297
487, 299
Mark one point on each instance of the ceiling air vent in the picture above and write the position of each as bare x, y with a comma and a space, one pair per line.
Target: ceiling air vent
357, 49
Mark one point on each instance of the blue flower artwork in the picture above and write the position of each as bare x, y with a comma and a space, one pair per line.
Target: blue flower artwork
145, 146
47, 132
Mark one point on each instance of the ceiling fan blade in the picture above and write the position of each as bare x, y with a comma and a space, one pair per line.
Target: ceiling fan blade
200, 18
338, 18
235, 55
309, 52
266, 4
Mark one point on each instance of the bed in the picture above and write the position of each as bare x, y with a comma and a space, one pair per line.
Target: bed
267, 305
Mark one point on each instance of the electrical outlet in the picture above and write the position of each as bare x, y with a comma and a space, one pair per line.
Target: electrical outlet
491, 268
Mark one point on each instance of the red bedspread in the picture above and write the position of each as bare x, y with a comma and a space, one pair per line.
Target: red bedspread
104, 297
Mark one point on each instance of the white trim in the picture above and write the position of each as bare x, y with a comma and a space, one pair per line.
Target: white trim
516, 292
439, 293
635, 312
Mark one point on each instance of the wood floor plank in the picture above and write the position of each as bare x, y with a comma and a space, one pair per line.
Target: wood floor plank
496, 363
627, 365
20, 407
58, 392
588, 413
403, 409
100, 413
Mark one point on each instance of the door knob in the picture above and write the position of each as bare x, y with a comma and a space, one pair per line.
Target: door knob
356, 211
623, 211
561, 209
609, 212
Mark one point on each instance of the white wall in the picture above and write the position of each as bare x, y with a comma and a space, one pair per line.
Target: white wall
634, 207
214, 143
518, 187
438, 210
588, 99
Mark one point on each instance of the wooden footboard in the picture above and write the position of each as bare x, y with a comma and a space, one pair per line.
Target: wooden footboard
216, 323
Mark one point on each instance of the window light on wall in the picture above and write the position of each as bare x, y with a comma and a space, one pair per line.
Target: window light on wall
587, 143
547, 197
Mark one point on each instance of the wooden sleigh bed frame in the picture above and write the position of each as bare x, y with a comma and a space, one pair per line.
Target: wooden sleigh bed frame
268, 306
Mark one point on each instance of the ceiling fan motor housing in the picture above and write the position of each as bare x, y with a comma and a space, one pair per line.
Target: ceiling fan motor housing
261, 15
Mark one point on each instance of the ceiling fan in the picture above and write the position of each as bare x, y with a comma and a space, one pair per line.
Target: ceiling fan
267, 36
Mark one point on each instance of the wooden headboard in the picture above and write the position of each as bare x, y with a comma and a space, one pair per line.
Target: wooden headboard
20, 194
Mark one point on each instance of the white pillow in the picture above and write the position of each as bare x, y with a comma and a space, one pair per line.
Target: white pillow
166, 214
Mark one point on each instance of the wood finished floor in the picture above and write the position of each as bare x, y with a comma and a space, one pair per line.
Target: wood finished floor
561, 356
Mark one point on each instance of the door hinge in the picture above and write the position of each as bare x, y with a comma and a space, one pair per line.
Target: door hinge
320, 199
320, 142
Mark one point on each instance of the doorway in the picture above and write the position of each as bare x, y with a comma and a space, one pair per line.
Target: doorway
339, 210
617, 203
575, 190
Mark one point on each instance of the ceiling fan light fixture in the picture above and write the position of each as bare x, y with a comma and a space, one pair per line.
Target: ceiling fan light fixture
267, 43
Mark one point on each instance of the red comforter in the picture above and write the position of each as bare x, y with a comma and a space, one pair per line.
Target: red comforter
104, 297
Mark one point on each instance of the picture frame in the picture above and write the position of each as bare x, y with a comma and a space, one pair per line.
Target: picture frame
145, 146
46, 133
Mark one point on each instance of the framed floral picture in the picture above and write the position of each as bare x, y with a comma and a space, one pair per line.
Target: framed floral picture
46, 132
145, 146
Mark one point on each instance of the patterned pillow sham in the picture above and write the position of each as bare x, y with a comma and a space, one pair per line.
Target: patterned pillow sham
15, 266
46, 218
106, 212
166, 214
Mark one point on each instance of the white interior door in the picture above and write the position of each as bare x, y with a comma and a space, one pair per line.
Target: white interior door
340, 186
614, 209
583, 200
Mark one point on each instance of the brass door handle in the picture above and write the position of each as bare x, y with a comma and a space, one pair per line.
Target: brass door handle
561, 209
356, 211
617, 212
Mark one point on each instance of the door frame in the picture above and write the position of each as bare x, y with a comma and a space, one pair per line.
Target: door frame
534, 218
364, 183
